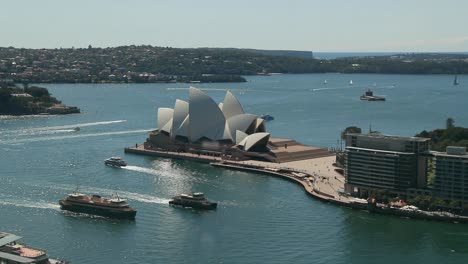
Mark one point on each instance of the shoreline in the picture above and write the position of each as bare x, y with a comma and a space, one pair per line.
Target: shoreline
315, 176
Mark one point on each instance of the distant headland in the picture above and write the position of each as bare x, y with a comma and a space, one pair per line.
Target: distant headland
149, 64
31, 101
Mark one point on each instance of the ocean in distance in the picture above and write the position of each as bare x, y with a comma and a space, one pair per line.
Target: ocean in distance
334, 55
260, 219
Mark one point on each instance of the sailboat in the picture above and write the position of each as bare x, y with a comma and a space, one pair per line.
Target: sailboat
325, 82
455, 81
350, 82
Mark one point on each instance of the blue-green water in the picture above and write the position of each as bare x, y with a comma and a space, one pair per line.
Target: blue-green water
260, 219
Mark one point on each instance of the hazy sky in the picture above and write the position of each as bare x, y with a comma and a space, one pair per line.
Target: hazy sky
328, 25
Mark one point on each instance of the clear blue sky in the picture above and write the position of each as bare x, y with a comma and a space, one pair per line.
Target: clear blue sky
325, 25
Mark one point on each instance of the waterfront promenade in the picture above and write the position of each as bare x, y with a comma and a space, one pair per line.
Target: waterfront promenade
317, 175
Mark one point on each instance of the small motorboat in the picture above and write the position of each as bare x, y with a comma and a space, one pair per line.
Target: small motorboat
369, 96
115, 162
76, 129
267, 117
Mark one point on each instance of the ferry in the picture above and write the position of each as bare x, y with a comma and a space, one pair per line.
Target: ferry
13, 252
115, 162
369, 96
96, 205
196, 200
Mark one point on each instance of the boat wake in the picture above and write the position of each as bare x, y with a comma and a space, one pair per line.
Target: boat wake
348, 87
165, 172
16, 141
31, 204
142, 170
82, 215
47, 132
146, 198
60, 129
330, 88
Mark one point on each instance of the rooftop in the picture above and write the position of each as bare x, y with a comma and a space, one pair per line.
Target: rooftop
379, 150
15, 258
10, 250
382, 136
445, 154
6, 238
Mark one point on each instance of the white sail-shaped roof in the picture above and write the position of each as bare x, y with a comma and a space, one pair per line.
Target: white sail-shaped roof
181, 111
206, 119
260, 125
242, 122
183, 130
220, 106
167, 127
240, 136
231, 106
227, 133
164, 116
254, 140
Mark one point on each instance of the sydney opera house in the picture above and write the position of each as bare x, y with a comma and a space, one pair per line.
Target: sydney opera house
201, 126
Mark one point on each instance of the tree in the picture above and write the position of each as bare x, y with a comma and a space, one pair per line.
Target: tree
449, 123
5, 95
37, 91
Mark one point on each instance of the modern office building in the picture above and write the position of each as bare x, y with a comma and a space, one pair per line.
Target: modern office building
387, 163
451, 174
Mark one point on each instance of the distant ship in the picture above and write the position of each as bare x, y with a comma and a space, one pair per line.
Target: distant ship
115, 162
196, 201
267, 117
369, 96
455, 81
350, 82
96, 205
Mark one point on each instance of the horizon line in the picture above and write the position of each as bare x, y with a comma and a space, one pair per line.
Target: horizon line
300, 50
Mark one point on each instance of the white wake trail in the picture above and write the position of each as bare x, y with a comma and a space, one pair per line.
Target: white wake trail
31, 204
76, 136
64, 128
142, 169
353, 86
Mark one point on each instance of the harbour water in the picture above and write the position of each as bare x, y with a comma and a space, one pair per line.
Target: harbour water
260, 219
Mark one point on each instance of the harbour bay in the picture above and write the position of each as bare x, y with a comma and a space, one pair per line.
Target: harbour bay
260, 219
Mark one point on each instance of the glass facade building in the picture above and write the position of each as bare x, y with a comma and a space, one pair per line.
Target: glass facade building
380, 162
